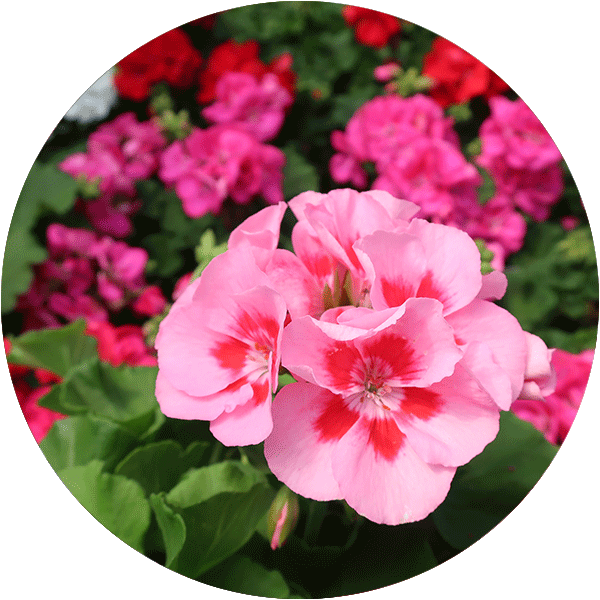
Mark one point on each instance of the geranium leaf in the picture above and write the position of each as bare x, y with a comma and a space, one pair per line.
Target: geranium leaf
75, 441
158, 466
57, 350
115, 501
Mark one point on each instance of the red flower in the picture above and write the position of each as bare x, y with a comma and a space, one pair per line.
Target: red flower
458, 76
242, 58
371, 28
123, 344
206, 22
169, 57
30, 386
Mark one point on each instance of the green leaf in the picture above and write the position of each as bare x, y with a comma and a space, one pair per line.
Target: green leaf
171, 526
201, 484
75, 441
158, 466
241, 575
298, 174
487, 189
206, 250
57, 350
124, 395
21, 252
488, 488
115, 501
219, 526
221, 506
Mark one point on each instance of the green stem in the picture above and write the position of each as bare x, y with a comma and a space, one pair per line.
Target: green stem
316, 514
216, 453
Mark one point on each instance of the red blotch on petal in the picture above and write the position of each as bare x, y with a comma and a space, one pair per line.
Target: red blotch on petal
393, 354
427, 289
342, 360
420, 403
262, 330
385, 437
335, 420
231, 354
261, 391
394, 293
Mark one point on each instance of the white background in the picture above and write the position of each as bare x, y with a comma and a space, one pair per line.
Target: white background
52, 51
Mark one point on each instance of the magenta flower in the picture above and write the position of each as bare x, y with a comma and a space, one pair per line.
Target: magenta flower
432, 173
219, 350
521, 157
554, 414
118, 154
257, 107
223, 160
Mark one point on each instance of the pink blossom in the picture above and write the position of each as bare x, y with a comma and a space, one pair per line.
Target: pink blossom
521, 157
257, 106
219, 350
109, 213
540, 377
383, 408
554, 414
150, 302
223, 160
432, 173
381, 127
386, 72
118, 154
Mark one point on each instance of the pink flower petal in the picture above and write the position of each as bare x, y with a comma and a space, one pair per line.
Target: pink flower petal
382, 478
295, 451
483, 321
450, 422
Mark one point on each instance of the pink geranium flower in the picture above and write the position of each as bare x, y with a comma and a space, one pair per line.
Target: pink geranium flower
219, 350
257, 106
223, 160
382, 408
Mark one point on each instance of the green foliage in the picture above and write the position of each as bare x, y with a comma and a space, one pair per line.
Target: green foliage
158, 466
553, 281
76, 441
241, 575
298, 174
116, 502
488, 488
122, 395
57, 350
177, 232
210, 514
206, 250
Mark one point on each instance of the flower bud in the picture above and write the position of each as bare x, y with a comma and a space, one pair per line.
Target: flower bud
282, 517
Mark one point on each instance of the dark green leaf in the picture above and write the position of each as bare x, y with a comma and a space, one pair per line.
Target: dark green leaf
158, 466
219, 526
488, 488
298, 174
118, 503
241, 575
171, 526
75, 441
57, 350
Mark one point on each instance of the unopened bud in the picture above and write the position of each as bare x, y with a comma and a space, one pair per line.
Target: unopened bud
282, 517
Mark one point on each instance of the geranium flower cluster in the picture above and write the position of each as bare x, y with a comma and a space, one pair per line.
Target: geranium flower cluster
401, 359
415, 152
457, 75
554, 414
220, 161
257, 105
119, 153
170, 57
87, 276
371, 27
417, 156
521, 157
